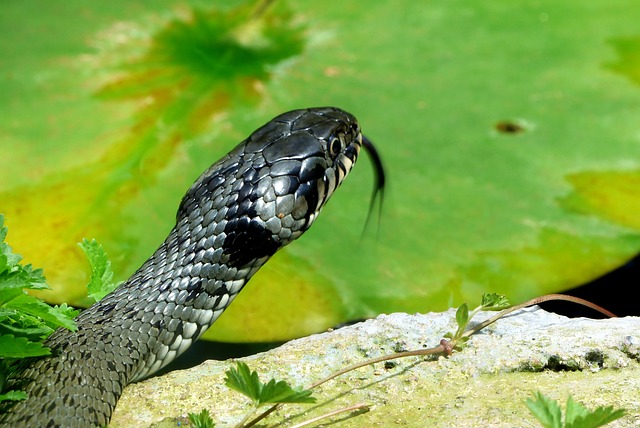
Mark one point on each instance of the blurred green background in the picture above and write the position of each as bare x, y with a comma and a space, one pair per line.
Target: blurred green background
509, 130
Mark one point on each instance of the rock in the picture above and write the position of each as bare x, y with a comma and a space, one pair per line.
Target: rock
486, 384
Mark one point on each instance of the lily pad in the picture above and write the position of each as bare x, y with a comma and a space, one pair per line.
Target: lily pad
509, 132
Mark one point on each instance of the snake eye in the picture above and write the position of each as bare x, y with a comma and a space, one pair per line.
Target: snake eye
335, 146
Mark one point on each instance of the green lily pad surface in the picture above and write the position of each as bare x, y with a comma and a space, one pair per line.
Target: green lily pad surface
509, 131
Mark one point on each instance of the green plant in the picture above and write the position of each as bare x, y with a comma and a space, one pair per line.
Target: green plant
201, 420
101, 282
452, 341
549, 413
25, 321
247, 382
490, 302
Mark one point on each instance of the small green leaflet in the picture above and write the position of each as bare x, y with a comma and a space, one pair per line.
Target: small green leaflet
7, 259
13, 396
462, 315
13, 275
548, 412
577, 416
201, 420
53, 316
20, 347
20, 313
247, 382
494, 302
101, 281
31, 328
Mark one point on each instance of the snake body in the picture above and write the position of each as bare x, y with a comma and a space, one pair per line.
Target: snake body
261, 196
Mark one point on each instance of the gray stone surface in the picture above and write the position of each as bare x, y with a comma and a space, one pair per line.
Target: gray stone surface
485, 385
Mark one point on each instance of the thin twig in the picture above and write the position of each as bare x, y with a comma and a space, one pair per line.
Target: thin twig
263, 415
246, 416
573, 299
535, 301
436, 350
418, 352
360, 406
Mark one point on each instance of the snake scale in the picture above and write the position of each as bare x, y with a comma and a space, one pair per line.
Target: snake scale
261, 196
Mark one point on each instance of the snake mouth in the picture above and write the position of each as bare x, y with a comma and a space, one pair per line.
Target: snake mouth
348, 158
343, 163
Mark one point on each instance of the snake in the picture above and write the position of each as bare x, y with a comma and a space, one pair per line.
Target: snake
261, 196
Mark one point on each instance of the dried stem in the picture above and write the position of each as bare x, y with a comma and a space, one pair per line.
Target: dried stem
360, 406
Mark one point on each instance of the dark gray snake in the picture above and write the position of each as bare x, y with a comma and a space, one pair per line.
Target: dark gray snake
261, 196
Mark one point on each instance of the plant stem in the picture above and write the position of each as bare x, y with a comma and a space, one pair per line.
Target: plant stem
246, 416
430, 351
360, 406
535, 301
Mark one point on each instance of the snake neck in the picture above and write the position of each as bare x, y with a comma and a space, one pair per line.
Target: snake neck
132, 332
169, 302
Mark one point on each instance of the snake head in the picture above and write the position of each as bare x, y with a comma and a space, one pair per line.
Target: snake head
269, 190
309, 162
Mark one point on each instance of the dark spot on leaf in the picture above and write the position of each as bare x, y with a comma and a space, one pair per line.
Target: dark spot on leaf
508, 127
